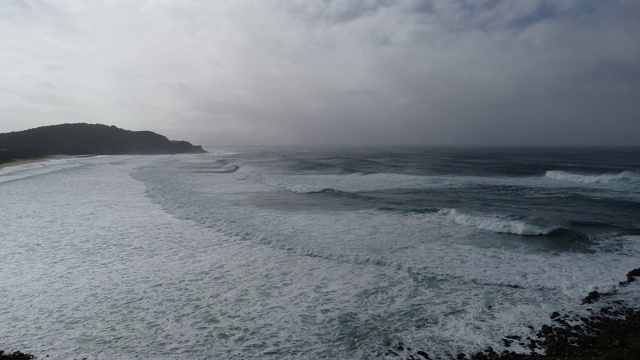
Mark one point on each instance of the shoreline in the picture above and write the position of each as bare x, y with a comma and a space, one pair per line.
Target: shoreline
610, 333
16, 162
11, 163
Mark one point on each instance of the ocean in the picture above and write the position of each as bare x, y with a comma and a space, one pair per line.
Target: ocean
310, 253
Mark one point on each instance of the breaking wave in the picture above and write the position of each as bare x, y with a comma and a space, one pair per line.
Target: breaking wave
625, 177
226, 169
425, 210
498, 224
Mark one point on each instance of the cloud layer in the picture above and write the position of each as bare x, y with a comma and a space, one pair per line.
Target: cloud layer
330, 72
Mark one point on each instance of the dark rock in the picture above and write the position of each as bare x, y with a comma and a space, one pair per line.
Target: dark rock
632, 274
479, 356
16, 355
591, 297
555, 314
423, 354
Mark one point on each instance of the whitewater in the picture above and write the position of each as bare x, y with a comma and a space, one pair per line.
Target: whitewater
294, 253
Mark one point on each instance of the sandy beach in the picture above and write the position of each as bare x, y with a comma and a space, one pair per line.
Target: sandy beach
22, 162
36, 160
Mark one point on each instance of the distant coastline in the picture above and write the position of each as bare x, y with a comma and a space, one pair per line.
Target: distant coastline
86, 139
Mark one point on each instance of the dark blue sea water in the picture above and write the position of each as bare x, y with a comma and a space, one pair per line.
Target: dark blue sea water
318, 253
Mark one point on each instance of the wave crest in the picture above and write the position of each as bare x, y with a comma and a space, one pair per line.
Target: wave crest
622, 177
498, 224
226, 169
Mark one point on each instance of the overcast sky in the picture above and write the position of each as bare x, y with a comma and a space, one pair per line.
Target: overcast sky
338, 72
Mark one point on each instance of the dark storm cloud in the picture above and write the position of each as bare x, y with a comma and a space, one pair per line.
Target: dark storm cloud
328, 72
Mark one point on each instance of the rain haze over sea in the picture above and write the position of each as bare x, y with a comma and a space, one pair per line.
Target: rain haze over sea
304, 252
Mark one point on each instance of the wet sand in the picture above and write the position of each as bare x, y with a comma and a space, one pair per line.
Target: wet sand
40, 159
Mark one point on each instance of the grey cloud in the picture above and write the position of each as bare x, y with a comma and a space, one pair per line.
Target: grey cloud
615, 73
330, 72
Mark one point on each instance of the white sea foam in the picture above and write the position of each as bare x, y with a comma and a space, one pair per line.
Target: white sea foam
361, 182
497, 223
415, 242
29, 169
625, 177
115, 276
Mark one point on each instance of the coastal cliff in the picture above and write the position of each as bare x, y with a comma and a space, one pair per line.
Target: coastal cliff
87, 139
